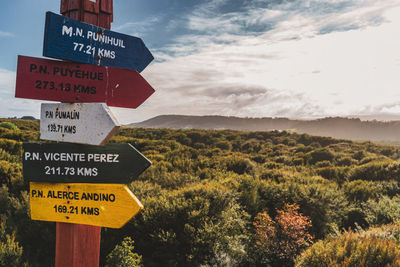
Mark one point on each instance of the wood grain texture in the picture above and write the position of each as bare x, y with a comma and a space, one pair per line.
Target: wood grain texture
77, 245
96, 12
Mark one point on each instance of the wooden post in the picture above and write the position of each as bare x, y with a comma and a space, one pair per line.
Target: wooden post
79, 245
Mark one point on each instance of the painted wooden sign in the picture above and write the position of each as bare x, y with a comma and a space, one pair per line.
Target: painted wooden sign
107, 205
71, 82
70, 39
84, 123
75, 163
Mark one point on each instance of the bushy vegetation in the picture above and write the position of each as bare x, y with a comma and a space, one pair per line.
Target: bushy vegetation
8, 125
278, 241
375, 247
228, 198
123, 255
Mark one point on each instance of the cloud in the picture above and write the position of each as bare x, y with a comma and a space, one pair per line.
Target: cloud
282, 20
138, 28
5, 34
386, 108
11, 106
16, 107
7, 81
313, 59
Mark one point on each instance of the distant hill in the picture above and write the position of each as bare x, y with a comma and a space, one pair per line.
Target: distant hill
337, 127
28, 118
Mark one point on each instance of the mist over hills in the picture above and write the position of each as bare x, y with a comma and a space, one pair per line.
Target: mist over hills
337, 127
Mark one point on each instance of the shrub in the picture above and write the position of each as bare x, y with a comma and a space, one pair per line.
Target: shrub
324, 163
272, 174
11, 146
359, 155
173, 180
346, 161
123, 255
282, 239
239, 165
10, 252
383, 211
271, 165
375, 171
9, 172
298, 161
351, 249
259, 159
224, 145
389, 188
359, 190
319, 199
331, 173
192, 226
8, 125
321, 155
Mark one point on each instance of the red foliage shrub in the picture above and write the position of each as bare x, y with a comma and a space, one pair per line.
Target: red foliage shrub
283, 238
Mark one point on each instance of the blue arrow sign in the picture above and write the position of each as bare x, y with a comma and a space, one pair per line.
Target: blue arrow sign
70, 39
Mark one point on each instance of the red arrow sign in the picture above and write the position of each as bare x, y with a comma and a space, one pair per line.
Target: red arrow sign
74, 83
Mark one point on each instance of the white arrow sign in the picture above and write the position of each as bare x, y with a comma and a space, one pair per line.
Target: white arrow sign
85, 123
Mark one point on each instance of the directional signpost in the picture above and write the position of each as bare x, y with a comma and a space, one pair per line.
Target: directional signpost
85, 123
74, 163
45, 79
80, 184
77, 41
108, 205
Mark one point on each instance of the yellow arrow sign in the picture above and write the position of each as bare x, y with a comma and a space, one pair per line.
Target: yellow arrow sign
107, 205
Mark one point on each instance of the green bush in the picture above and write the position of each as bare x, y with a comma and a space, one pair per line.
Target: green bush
11, 146
8, 125
318, 198
10, 252
323, 163
224, 145
346, 161
322, 154
332, 173
376, 171
359, 190
9, 172
351, 249
201, 224
239, 165
382, 211
123, 255
298, 161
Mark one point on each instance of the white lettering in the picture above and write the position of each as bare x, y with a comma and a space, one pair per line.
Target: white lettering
78, 32
67, 30
103, 158
89, 34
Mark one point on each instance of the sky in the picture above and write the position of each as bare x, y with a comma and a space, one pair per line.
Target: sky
300, 59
